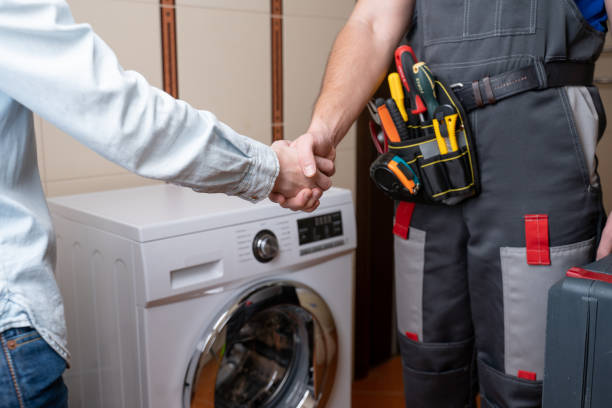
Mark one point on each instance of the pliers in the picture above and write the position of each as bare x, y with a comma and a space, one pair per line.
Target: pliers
379, 138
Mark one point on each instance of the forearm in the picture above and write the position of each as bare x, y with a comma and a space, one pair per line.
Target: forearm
357, 64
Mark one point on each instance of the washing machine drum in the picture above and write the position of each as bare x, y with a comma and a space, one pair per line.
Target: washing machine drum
276, 346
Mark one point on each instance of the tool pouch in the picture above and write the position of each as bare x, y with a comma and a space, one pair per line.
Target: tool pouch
430, 169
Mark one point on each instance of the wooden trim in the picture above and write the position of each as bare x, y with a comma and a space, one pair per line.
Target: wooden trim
276, 36
168, 37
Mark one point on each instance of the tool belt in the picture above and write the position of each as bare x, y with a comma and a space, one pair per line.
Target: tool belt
429, 152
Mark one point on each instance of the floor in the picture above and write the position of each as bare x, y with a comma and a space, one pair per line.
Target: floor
382, 387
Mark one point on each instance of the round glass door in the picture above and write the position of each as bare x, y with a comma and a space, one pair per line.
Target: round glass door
274, 347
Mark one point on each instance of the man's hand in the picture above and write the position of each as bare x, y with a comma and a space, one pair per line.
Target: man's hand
316, 152
292, 188
318, 141
605, 245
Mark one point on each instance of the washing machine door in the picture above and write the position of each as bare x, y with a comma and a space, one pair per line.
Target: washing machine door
275, 346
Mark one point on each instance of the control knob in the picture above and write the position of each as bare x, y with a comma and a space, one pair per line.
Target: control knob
265, 246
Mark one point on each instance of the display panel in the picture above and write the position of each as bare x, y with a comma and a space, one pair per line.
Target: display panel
321, 227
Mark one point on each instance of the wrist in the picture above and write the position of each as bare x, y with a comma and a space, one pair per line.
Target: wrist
323, 129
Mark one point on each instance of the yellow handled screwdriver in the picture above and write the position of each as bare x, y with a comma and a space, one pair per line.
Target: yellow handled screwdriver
397, 93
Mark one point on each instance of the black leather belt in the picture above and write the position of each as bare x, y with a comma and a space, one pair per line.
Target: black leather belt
489, 90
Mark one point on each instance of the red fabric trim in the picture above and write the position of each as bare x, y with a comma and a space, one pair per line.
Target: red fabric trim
526, 375
536, 239
584, 274
412, 336
403, 216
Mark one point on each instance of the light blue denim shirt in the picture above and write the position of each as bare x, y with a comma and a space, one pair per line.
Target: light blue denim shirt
65, 73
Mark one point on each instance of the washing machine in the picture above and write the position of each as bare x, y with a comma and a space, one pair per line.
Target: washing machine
175, 299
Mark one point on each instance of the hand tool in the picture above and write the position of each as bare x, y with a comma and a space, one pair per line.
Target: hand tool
396, 116
373, 112
378, 138
397, 93
387, 122
446, 114
404, 174
451, 122
439, 138
425, 84
404, 60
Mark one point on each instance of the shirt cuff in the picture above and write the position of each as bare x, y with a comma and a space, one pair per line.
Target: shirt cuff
259, 180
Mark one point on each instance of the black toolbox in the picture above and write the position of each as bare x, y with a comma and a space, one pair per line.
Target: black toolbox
578, 371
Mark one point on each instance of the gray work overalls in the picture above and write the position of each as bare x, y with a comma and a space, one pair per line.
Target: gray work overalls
471, 285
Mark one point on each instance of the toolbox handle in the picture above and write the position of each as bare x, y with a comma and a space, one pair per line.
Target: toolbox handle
580, 273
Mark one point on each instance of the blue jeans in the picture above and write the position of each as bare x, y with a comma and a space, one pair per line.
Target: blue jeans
30, 371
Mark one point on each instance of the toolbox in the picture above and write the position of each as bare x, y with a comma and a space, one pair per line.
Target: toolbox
578, 371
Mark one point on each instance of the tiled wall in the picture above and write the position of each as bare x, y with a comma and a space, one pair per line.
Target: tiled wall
223, 49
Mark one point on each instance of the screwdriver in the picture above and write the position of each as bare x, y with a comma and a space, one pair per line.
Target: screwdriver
387, 122
396, 116
404, 60
425, 84
397, 93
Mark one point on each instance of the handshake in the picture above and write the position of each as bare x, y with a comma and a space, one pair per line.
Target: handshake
306, 166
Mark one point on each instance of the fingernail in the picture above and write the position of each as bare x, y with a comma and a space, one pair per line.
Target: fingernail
309, 171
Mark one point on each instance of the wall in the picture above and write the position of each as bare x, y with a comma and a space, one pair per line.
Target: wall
223, 49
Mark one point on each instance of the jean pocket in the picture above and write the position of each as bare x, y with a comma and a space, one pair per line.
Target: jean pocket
16, 338
38, 368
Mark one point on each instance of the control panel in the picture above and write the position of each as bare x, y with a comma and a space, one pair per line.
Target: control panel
294, 238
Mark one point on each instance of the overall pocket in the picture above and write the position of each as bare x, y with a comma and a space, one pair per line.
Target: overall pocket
409, 274
525, 293
476, 19
585, 125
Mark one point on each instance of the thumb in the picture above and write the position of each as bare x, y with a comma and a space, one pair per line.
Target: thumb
305, 155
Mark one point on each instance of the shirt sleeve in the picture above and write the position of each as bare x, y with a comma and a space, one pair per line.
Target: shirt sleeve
65, 73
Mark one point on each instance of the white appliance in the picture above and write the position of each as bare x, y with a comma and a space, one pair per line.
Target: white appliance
175, 299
